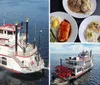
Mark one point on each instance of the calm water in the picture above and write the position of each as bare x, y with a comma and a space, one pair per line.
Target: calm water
37, 12
90, 78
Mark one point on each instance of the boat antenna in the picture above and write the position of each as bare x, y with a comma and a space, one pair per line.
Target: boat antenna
39, 40
21, 23
34, 40
16, 37
90, 53
39, 46
27, 19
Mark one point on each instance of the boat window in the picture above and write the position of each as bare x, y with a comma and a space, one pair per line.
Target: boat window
36, 58
23, 62
71, 63
82, 54
81, 63
24, 50
75, 63
9, 32
14, 32
6, 45
0, 60
5, 32
79, 69
73, 70
1, 31
4, 61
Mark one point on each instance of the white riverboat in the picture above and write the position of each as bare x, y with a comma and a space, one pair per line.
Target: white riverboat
73, 67
16, 53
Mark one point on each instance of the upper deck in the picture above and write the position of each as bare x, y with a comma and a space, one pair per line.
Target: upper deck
8, 27
9, 51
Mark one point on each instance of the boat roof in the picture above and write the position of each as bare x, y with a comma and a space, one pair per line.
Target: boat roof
75, 60
9, 27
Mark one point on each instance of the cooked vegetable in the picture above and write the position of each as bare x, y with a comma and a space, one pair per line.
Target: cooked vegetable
60, 29
52, 38
55, 21
92, 32
90, 35
98, 39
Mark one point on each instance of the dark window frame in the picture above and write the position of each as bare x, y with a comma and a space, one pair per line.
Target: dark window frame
4, 61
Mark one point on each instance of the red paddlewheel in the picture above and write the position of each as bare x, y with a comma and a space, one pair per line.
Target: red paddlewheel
63, 72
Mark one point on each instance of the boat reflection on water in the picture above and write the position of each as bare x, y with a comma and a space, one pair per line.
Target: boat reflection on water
81, 80
7, 78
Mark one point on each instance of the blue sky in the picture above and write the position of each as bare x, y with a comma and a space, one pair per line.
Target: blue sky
74, 48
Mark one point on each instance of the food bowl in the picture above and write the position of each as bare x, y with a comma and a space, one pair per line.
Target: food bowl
84, 25
80, 15
71, 20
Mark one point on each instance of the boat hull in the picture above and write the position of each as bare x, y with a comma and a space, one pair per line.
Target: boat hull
79, 75
28, 76
67, 80
54, 76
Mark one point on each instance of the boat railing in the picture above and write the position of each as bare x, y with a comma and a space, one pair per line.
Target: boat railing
71, 66
20, 53
88, 64
4, 36
29, 52
87, 59
74, 66
2, 42
15, 58
18, 61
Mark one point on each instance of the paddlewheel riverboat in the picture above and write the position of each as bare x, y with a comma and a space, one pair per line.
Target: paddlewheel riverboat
16, 54
74, 67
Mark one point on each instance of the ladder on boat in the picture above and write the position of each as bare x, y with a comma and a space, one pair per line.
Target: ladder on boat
21, 64
18, 61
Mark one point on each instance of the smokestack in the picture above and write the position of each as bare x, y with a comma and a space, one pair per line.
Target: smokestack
34, 40
16, 37
27, 30
60, 61
34, 43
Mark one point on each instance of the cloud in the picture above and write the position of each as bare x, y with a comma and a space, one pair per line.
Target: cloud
56, 48
96, 49
73, 48
77, 48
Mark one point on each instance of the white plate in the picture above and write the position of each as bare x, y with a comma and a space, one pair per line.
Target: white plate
84, 25
72, 21
79, 15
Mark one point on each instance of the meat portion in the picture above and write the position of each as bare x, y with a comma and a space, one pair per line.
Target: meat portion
79, 6
75, 5
64, 31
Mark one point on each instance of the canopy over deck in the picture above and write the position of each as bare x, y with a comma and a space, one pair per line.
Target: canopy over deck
9, 27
